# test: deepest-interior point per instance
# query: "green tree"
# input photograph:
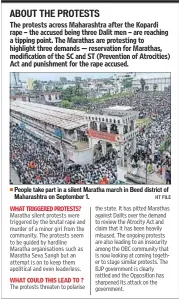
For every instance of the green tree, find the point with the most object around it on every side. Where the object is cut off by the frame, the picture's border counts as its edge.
(37, 88)
(80, 100)
(77, 88)
(57, 88)
(68, 93)
(66, 104)
(47, 89)
(73, 93)
(127, 83)
(107, 81)
(37, 85)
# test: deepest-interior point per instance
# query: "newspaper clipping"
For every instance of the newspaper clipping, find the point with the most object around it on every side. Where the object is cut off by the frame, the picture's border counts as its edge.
(90, 145)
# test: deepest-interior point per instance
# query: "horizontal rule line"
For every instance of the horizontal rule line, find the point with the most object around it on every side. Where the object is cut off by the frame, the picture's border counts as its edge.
(90, 1)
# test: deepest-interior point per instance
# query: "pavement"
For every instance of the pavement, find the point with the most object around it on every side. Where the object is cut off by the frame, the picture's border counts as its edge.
(14, 177)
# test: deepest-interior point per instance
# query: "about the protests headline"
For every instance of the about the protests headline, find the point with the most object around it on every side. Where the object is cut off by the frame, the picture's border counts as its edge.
(52, 13)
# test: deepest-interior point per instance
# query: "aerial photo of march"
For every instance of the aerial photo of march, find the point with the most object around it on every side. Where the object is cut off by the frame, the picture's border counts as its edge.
(90, 128)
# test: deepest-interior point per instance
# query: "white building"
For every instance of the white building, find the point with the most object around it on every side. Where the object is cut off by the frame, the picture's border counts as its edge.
(59, 127)
(51, 97)
(63, 128)
(115, 126)
(20, 97)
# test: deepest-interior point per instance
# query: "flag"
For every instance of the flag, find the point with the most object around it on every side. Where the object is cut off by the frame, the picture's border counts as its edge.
(105, 180)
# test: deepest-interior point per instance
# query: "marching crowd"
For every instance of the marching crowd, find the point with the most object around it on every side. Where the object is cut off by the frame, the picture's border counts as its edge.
(36, 162)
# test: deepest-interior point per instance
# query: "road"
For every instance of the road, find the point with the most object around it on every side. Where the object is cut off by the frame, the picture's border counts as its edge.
(14, 177)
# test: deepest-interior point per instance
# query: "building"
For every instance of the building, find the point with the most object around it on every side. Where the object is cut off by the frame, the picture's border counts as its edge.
(112, 127)
(78, 79)
(62, 128)
(151, 84)
(63, 80)
(123, 82)
(20, 97)
(30, 84)
(51, 98)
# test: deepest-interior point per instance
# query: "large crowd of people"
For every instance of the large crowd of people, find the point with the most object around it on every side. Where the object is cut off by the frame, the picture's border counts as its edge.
(156, 108)
(36, 162)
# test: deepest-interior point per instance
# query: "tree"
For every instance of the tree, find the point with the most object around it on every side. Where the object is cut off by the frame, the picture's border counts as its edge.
(37, 85)
(47, 89)
(142, 83)
(127, 83)
(155, 86)
(68, 93)
(107, 81)
(66, 104)
(73, 93)
(79, 100)
(57, 89)
(77, 88)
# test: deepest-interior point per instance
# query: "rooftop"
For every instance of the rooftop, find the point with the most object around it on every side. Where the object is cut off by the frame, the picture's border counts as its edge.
(118, 111)
(59, 117)
(119, 108)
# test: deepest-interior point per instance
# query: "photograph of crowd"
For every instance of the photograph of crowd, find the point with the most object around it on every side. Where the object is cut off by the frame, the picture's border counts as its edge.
(90, 128)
